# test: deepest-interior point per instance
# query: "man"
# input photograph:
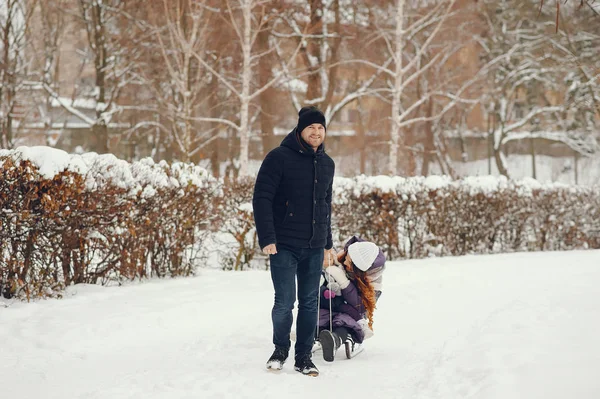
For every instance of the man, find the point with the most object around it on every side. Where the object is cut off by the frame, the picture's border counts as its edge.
(292, 211)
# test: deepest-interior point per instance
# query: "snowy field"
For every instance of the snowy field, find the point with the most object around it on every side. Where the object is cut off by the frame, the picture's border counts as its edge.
(503, 326)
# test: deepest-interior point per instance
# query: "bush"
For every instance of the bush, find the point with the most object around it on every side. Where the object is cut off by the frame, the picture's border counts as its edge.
(237, 221)
(69, 219)
(97, 219)
(420, 217)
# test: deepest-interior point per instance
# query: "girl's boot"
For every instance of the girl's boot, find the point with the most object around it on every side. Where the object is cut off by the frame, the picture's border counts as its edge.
(330, 342)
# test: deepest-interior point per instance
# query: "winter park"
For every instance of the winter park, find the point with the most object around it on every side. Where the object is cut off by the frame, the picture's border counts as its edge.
(292, 199)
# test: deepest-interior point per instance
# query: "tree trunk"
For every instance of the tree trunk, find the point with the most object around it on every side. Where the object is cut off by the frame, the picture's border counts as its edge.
(245, 95)
(410, 160)
(7, 134)
(532, 149)
(429, 144)
(330, 72)
(361, 132)
(267, 110)
(100, 129)
(491, 120)
(576, 166)
(187, 73)
(312, 54)
(395, 139)
(99, 142)
(500, 161)
(7, 83)
(213, 101)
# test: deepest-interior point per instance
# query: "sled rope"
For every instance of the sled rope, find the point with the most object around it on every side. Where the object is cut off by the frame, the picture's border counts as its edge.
(330, 259)
(330, 307)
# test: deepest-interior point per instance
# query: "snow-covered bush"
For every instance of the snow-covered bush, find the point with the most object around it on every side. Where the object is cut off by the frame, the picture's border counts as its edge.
(237, 218)
(91, 218)
(68, 219)
(419, 217)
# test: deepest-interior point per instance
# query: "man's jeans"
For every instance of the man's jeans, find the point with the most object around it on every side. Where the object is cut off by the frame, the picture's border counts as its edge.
(306, 263)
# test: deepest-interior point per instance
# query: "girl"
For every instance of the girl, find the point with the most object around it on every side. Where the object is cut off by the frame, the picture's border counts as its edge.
(350, 291)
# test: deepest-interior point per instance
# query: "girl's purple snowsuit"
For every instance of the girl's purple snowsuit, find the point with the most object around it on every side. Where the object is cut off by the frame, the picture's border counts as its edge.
(348, 314)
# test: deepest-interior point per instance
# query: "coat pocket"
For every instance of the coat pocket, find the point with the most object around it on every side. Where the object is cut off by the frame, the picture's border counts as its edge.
(289, 213)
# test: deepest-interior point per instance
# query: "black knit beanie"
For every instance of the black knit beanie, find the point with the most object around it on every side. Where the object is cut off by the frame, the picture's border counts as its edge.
(309, 115)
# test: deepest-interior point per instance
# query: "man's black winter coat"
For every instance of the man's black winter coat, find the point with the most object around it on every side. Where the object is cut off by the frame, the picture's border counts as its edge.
(292, 196)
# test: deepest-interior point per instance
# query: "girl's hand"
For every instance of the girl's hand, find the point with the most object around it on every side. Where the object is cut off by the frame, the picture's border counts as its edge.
(335, 288)
(329, 294)
(339, 276)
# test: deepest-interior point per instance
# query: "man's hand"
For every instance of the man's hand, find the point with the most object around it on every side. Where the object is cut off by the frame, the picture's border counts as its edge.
(270, 249)
(328, 258)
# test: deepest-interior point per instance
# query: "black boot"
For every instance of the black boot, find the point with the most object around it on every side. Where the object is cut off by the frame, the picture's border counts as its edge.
(305, 365)
(277, 359)
(330, 342)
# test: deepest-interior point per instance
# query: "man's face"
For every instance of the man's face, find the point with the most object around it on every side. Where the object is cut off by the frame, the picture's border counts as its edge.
(314, 135)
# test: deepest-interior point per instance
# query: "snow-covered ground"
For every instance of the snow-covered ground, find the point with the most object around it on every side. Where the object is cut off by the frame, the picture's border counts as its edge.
(504, 326)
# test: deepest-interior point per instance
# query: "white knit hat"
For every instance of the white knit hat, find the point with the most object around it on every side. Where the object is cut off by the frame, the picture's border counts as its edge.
(363, 254)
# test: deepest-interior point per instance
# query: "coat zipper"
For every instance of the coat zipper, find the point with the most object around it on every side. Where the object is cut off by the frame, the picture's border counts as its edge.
(314, 200)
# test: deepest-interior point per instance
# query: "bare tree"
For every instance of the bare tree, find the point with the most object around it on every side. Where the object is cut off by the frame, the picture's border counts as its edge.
(320, 49)
(15, 74)
(105, 22)
(54, 22)
(530, 68)
(247, 19)
(403, 111)
(396, 48)
(590, 5)
(175, 83)
(578, 46)
(336, 59)
(411, 54)
(97, 19)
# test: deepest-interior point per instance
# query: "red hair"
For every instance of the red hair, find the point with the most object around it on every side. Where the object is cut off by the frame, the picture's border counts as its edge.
(366, 291)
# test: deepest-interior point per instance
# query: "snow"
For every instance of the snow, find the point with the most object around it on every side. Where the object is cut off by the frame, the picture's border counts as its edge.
(503, 326)
(485, 184)
(84, 103)
(295, 85)
(473, 185)
(364, 184)
(98, 169)
(437, 182)
(384, 183)
(246, 207)
(50, 161)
